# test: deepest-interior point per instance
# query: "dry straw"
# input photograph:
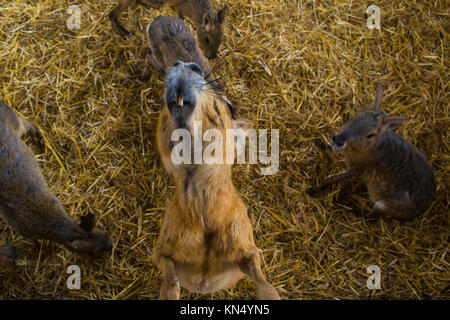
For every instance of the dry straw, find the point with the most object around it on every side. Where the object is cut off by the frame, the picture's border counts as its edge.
(303, 67)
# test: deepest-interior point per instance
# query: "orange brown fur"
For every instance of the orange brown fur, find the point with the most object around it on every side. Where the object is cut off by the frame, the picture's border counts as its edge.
(206, 239)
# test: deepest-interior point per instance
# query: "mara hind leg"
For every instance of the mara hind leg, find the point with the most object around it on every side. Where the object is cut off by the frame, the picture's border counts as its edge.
(170, 287)
(251, 266)
(122, 6)
(8, 256)
(25, 127)
(21, 126)
(398, 206)
(155, 4)
(114, 15)
(8, 253)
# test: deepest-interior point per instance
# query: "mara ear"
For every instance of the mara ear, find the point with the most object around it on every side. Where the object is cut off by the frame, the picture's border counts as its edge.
(87, 222)
(221, 15)
(242, 123)
(378, 98)
(393, 123)
(207, 21)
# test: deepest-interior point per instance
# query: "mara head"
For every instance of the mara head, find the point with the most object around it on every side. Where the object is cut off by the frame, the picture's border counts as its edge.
(364, 131)
(210, 32)
(199, 105)
(94, 240)
(185, 86)
(190, 96)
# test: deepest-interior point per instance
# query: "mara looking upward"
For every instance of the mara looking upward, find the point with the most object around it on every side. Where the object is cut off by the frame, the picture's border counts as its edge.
(206, 240)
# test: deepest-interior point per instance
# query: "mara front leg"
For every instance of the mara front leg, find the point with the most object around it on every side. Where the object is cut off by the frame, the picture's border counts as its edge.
(251, 267)
(21, 126)
(315, 192)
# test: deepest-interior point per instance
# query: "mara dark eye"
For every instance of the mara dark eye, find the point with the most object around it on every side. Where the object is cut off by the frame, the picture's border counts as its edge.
(207, 40)
(371, 135)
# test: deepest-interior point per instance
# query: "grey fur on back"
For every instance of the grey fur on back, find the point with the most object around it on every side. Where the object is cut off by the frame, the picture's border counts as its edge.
(171, 40)
(404, 168)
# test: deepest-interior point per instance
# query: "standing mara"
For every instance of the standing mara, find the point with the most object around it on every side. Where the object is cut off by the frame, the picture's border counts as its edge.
(206, 239)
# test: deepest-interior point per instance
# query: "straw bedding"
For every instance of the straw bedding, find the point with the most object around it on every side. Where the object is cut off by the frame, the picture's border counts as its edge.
(303, 67)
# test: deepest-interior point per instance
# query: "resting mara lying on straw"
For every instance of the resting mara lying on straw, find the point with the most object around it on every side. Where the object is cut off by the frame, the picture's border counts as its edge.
(399, 178)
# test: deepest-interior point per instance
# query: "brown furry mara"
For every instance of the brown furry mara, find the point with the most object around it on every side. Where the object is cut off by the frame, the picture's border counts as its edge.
(26, 202)
(209, 24)
(399, 178)
(206, 239)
